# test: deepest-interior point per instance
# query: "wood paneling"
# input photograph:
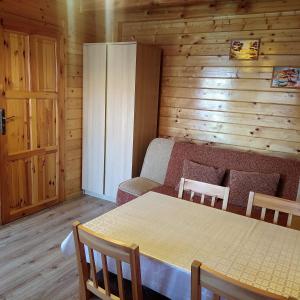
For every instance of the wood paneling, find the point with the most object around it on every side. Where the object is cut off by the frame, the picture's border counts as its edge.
(205, 97)
(44, 17)
(214, 9)
(92, 5)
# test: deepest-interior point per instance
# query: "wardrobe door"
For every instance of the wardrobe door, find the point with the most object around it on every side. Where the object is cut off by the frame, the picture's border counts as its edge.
(94, 90)
(121, 71)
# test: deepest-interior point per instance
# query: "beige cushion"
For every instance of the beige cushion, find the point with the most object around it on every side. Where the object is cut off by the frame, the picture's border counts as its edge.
(157, 159)
(138, 186)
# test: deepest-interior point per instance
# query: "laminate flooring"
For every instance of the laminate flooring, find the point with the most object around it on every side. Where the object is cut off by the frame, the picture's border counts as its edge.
(31, 263)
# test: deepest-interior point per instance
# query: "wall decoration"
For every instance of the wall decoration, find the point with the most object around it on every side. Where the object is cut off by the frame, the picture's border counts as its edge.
(244, 49)
(287, 77)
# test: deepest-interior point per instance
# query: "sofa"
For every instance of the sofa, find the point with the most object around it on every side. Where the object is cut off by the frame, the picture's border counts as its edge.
(163, 164)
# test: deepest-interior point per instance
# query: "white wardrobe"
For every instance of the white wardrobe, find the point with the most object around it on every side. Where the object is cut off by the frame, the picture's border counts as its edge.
(120, 113)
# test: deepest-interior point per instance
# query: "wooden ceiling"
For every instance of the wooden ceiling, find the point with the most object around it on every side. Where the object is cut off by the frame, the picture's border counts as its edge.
(92, 5)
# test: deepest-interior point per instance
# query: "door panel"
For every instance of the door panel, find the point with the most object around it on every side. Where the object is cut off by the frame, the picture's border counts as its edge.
(94, 89)
(51, 186)
(30, 147)
(20, 183)
(47, 177)
(43, 63)
(16, 61)
(46, 122)
(121, 67)
(17, 125)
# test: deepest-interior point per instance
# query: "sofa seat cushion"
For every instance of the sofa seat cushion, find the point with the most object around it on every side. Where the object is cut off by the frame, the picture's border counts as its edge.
(166, 190)
(138, 186)
(233, 208)
(170, 191)
(242, 183)
(123, 197)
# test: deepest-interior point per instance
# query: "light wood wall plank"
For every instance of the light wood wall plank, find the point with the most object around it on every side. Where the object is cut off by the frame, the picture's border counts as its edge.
(205, 96)
(206, 9)
(286, 98)
(238, 107)
(229, 117)
(229, 128)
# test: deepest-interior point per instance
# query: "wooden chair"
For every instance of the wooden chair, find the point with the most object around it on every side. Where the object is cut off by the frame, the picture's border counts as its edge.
(119, 251)
(224, 286)
(273, 203)
(205, 189)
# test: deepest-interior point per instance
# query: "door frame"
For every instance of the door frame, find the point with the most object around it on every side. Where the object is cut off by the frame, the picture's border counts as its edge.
(17, 23)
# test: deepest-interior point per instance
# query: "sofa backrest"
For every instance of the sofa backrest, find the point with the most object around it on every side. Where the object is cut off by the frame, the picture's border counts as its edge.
(288, 169)
(157, 159)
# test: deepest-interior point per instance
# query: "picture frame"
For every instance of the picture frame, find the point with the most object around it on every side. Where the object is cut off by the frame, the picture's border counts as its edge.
(285, 77)
(244, 49)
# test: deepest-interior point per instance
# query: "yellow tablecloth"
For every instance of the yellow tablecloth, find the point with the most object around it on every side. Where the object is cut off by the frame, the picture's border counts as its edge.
(176, 232)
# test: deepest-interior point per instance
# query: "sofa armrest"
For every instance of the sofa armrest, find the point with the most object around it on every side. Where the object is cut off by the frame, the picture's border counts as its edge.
(133, 188)
(157, 159)
(138, 186)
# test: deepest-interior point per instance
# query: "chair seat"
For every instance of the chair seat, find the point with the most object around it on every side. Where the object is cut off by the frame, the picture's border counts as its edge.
(148, 294)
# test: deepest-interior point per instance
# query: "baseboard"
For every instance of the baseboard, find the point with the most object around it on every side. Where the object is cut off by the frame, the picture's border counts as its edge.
(73, 196)
(100, 196)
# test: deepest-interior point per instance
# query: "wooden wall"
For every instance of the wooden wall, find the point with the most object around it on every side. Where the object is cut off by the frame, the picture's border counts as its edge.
(81, 29)
(77, 29)
(205, 97)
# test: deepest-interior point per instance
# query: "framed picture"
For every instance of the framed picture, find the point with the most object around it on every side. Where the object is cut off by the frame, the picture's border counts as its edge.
(244, 49)
(286, 77)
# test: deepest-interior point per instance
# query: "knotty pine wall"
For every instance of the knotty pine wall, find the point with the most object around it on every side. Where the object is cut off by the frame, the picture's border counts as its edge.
(205, 97)
(77, 29)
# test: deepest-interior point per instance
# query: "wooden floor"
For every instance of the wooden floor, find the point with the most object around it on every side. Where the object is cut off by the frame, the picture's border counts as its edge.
(31, 264)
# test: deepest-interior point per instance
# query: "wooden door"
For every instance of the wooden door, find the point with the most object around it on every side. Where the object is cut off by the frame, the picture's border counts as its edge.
(94, 92)
(30, 145)
(121, 72)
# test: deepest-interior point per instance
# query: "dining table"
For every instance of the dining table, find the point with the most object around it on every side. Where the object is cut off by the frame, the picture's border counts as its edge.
(172, 232)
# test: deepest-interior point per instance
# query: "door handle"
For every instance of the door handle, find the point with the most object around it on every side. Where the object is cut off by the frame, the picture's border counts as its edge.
(2, 122)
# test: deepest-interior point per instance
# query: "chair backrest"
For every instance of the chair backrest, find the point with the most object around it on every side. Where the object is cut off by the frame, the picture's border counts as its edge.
(205, 189)
(273, 203)
(224, 286)
(106, 247)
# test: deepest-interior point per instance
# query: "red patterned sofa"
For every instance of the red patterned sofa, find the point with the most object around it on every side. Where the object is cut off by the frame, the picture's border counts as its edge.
(163, 164)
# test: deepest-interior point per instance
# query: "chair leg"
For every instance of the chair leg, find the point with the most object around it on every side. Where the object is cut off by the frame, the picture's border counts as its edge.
(83, 267)
(195, 281)
(216, 297)
(83, 292)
